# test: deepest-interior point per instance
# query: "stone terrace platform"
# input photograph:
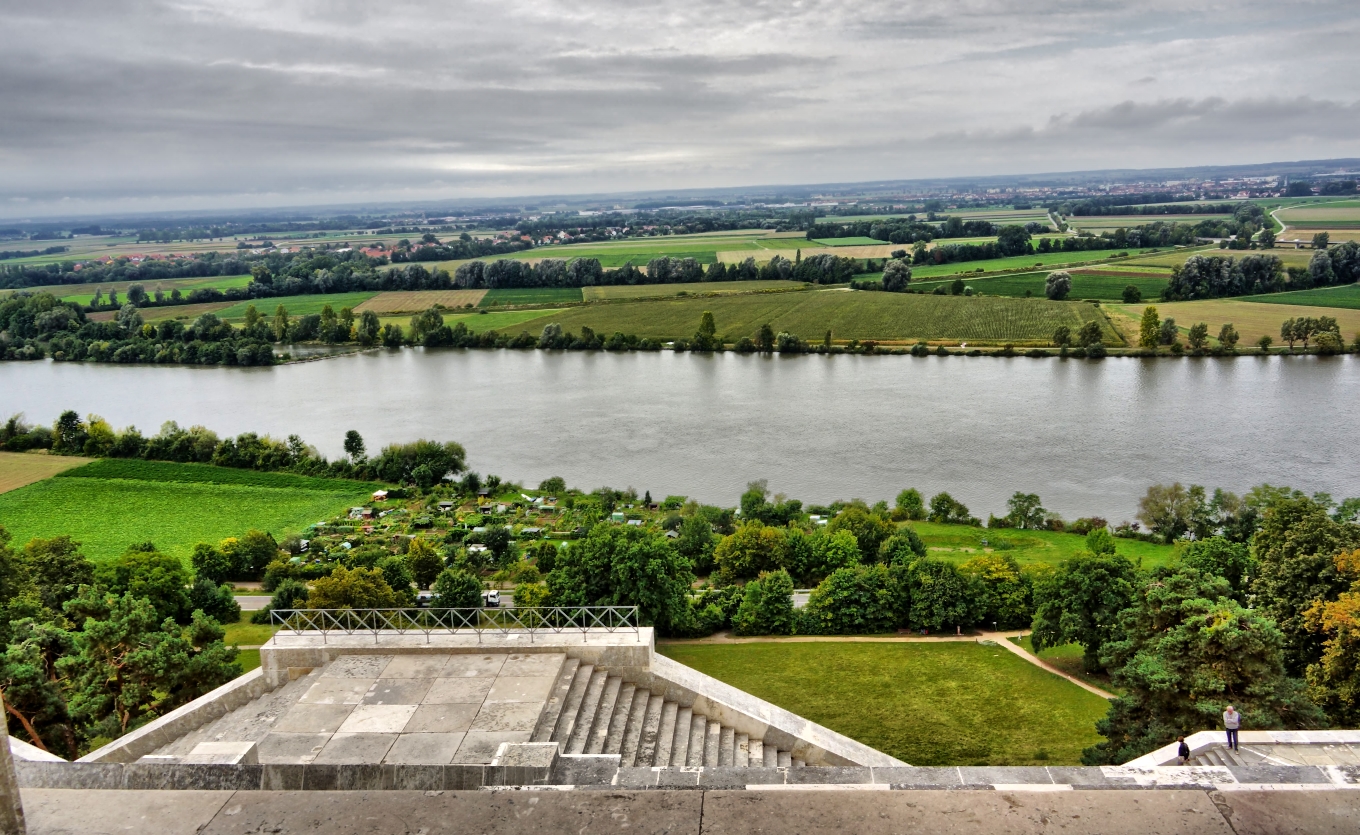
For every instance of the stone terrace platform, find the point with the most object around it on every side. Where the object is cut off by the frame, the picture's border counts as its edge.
(792, 812)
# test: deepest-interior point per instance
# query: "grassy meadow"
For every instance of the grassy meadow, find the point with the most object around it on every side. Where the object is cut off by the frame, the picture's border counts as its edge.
(1086, 285)
(1068, 658)
(847, 314)
(1346, 296)
(414, 301)
(1047, 260)
(114, 503)
(530, 295)
(859, 240)
(960, 543)
(955, 703)
(1252, 319)
(649, 291)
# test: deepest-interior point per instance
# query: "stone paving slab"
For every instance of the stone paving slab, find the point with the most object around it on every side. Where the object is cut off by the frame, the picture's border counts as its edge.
(95, 812)
(1310, 812)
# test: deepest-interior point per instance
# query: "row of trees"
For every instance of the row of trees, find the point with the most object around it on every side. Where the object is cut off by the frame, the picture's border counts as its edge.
(1216, 276)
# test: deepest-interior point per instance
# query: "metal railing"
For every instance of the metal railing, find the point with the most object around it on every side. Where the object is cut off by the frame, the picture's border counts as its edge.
(534, 621)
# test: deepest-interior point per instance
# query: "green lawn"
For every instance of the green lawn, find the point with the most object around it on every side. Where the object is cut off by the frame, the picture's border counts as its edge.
(924, 703)
(1346, 296)
(1068, 659)
(853, 241)
(109, 514)
(248, 634)
(960, 543)
(848, 314)
(1050, 260)
(1084, 286)
(249, 659)
(531, 295)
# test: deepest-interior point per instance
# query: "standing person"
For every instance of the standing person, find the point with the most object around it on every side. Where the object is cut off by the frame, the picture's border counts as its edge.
(1182, 752)
(1232, 720)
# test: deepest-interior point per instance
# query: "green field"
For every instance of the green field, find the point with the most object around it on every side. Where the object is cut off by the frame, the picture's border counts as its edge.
(530, 295)
(1084, 286)
(960, 543)
(648, 291)
(855, 241)
(1068, 658)
(848, 314)
(924, 703)
(1346, 296)
(109, 514)
(84, 293)
(505, 320)
(135, 469)
(297, 305)
(1052, 260)
(703, 248)
(1174, 258)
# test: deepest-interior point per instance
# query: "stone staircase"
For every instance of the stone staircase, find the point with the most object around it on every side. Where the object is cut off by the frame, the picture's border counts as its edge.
(593, 712)
(1220, 755)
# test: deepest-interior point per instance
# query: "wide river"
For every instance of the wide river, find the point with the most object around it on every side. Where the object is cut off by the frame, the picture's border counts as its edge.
(1089, 437)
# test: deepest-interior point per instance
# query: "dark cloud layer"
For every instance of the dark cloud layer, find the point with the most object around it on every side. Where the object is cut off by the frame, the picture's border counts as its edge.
(146, 104)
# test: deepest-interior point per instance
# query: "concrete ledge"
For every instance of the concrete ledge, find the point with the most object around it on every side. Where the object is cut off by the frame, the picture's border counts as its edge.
(309, 650)
(715, 699)
(20, 750)
(1204, 740)
(178, 722)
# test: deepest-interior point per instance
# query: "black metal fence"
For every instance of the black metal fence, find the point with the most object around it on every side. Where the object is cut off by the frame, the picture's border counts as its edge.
(545, 620)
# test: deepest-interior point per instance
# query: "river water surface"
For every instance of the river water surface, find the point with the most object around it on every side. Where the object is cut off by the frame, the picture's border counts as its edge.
(1088, 437)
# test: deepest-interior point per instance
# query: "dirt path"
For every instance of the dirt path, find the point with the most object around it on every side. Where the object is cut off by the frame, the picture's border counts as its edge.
(1002, 639)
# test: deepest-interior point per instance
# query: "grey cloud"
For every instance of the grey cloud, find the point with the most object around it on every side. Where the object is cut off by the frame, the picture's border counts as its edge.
(206, 102)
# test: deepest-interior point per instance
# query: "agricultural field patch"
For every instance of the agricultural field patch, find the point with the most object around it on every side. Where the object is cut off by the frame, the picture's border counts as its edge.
(1347, 211)
(481, 321)
(1089, 285)
(412, 301)
(1252, 319)
(84, 293)
(18, 469)
(183, 312)
(1346, 296)
(1174, 258)
(928, 704)
(297, 305)
(136, 469)
(1337, 234)
(847, 314)
(108, 514)
(530, 295)
(858, 240)
(1052, 260)
(646, 291)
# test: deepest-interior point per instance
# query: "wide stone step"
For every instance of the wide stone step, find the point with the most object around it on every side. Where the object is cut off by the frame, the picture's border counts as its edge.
(632, 733)
(599, 731)
(665, 735)
(618, 722)
(571, 709)
(684, 718)
(651, 727)
(557, 701)
(585, 718)
(698, 732)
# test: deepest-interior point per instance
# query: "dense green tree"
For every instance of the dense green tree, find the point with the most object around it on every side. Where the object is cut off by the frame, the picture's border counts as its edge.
(1080, 603)
(1100, 541)
(424, 562)
(1198, 338)
(1220, 557)
(457, 588)
(1334, 680)
(1149, 329)
(211, 564)
(400, 462)
(856, 600)
(33, 690)
(1132, 295)
(695, 542)
(1026, 512)
(1062, 336)
(1168, 511)
(354, 446)
(250, 553)
(896, 275)
(1090, 334)
(869, 529)
(1188, 650)
(945, 508)
(752, 549)
(910, 505)
(829, 551)
(1296, 545)
(1228, 336)
(147, 574)
(1058, 285)
(940, 595)
(904, 547)
(356, 588)
(998, 591)
(624, 566)
(56, 568)
(217, 602)
(396, 571)
(766, 606)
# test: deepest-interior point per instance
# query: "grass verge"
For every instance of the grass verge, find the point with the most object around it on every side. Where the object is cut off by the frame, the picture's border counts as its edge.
(926, 704)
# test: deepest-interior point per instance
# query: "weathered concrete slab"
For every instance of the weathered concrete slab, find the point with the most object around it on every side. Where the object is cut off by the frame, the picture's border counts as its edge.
(95, 812)
(380, 813)
(1276, 812)
(982, 812)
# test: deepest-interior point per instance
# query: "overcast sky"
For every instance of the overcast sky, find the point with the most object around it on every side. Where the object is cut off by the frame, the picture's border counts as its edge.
(142, 105)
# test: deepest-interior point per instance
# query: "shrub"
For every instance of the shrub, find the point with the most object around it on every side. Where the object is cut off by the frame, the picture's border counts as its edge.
(424, 562)
(457, 588)
(357, 588)
(766, 606)
(855, 600)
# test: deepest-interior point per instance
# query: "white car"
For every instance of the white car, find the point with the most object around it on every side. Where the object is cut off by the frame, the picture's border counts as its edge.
(491, 598)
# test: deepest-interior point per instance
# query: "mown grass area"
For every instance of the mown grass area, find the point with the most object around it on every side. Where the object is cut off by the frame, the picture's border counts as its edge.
(1174, 258)
(249, 659)
(960, 543)
(924, 703)
(109, 514)
(139, 470)
(847, 314)
(530, 295)
(1346, 296)
(859, 240)
(18, 469)
(1084, 286)
(248, 634)
(646, 291)
(1068, 658)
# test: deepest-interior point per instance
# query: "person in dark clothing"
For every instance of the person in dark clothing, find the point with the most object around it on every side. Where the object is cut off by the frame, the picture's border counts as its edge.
(1182, 752)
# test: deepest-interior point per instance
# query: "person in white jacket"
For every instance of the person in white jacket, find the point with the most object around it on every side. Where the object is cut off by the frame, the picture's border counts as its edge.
(1232, 720)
